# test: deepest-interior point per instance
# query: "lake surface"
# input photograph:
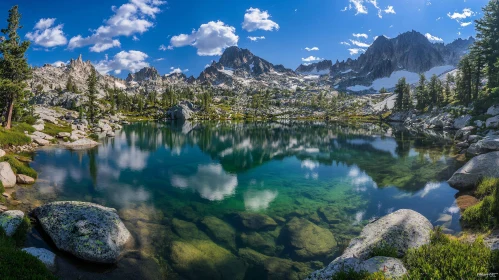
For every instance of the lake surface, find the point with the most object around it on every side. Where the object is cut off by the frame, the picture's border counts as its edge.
(184, 192)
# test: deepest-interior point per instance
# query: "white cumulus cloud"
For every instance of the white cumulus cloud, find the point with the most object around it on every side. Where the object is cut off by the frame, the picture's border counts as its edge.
(359, 44)
(360, 35)
(433, 38)
(356, 51)
(255, 39)
(311, 49)
(210, 39)
(389, 10)
(311, 58)
(361, 8)
(47, 35)
(129, 19)
(131, 61)
(254, 19)
(59, 63)
(465, 14)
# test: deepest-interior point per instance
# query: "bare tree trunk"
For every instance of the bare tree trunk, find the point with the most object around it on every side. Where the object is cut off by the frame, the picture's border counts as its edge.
(8, 122)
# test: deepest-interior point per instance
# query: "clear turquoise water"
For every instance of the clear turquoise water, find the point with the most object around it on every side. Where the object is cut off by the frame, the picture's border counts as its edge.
(156, 173)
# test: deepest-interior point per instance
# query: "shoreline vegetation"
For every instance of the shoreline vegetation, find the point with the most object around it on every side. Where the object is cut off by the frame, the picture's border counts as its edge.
(462, 103)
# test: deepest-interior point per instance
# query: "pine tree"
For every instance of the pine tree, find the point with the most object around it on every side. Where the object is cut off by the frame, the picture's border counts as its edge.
(464, 87)
(92, 95)
(421, 93)
(400, 90)
(14, 69)
(488, 41)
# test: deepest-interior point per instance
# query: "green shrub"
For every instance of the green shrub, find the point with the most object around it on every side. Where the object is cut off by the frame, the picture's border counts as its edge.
(383, 250)
(486, 187)
(446, 258)
(30, 120)
(54, 129)
(485, 214)
(19, 167)
(2, 189)
(16, 264)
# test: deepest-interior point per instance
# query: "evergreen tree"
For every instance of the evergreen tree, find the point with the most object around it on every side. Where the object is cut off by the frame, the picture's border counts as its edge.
(421, 93)
(464, 87)
(435, 91)
(400, 90)
(447, 89)
(488, 41)
(14, 69)
(92, 95)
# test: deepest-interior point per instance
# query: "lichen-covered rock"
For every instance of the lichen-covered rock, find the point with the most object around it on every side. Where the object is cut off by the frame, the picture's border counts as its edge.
(402, 229)
(492, 122)
(203, 259)
(309, 240)
(24, 179)
(255, 221)
(7, 176)
(89, 231)
(10, 221)
(461, 121)
(468, 176)
(222, 232)
(44, 255)
(187, 230)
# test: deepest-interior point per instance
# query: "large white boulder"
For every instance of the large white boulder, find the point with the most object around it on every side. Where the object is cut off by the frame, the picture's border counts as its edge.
(468, 176)
(403, 229)
(492, 122)
(81, 144)
(88, 231)
(7, 176)
(462, 121)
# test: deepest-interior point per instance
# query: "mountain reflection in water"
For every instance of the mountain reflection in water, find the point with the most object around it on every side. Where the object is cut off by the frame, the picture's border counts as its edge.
(172, 183)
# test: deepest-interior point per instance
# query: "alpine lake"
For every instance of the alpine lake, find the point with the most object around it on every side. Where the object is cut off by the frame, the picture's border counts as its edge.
(244, 200)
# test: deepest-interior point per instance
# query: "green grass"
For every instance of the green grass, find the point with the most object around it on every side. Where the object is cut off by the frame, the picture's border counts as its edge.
(53, 129)
(350, 274)
(449, 258)
(485, 214)
(2, 188)
(384, 250)
(15, 136)
(19, 167)
(16, 264)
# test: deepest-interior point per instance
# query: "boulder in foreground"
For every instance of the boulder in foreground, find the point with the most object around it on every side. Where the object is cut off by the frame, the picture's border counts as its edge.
(10, 221)
(88, 231)
(468, 176)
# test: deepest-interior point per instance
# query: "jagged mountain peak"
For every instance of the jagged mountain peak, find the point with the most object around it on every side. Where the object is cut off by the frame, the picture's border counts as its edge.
(144, 74)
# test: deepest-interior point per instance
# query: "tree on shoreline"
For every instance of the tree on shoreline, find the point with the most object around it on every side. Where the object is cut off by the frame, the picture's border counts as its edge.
(14, 68)
(92, 95)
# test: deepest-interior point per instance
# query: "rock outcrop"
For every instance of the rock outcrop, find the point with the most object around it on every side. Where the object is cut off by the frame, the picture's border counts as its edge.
(468, 176)
(45, 256)
(88, 231)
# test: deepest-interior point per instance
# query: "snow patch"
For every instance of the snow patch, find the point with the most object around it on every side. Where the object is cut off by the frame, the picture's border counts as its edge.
(410, 77)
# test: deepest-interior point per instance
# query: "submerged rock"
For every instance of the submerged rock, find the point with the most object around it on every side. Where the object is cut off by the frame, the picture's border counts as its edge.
(44, 255)
(203, 259)
(187, 230)
(89, 231)
(468, 176)
(258, 242)
(222, 232)
(465, 201)
(255, 221)
(309, 240)
(7, 176)
(10, 221)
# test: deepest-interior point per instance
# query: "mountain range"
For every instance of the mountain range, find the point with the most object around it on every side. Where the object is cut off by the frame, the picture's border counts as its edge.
(383, 63)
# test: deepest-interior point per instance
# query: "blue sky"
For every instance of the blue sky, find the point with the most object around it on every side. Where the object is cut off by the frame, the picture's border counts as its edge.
(120, 36)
